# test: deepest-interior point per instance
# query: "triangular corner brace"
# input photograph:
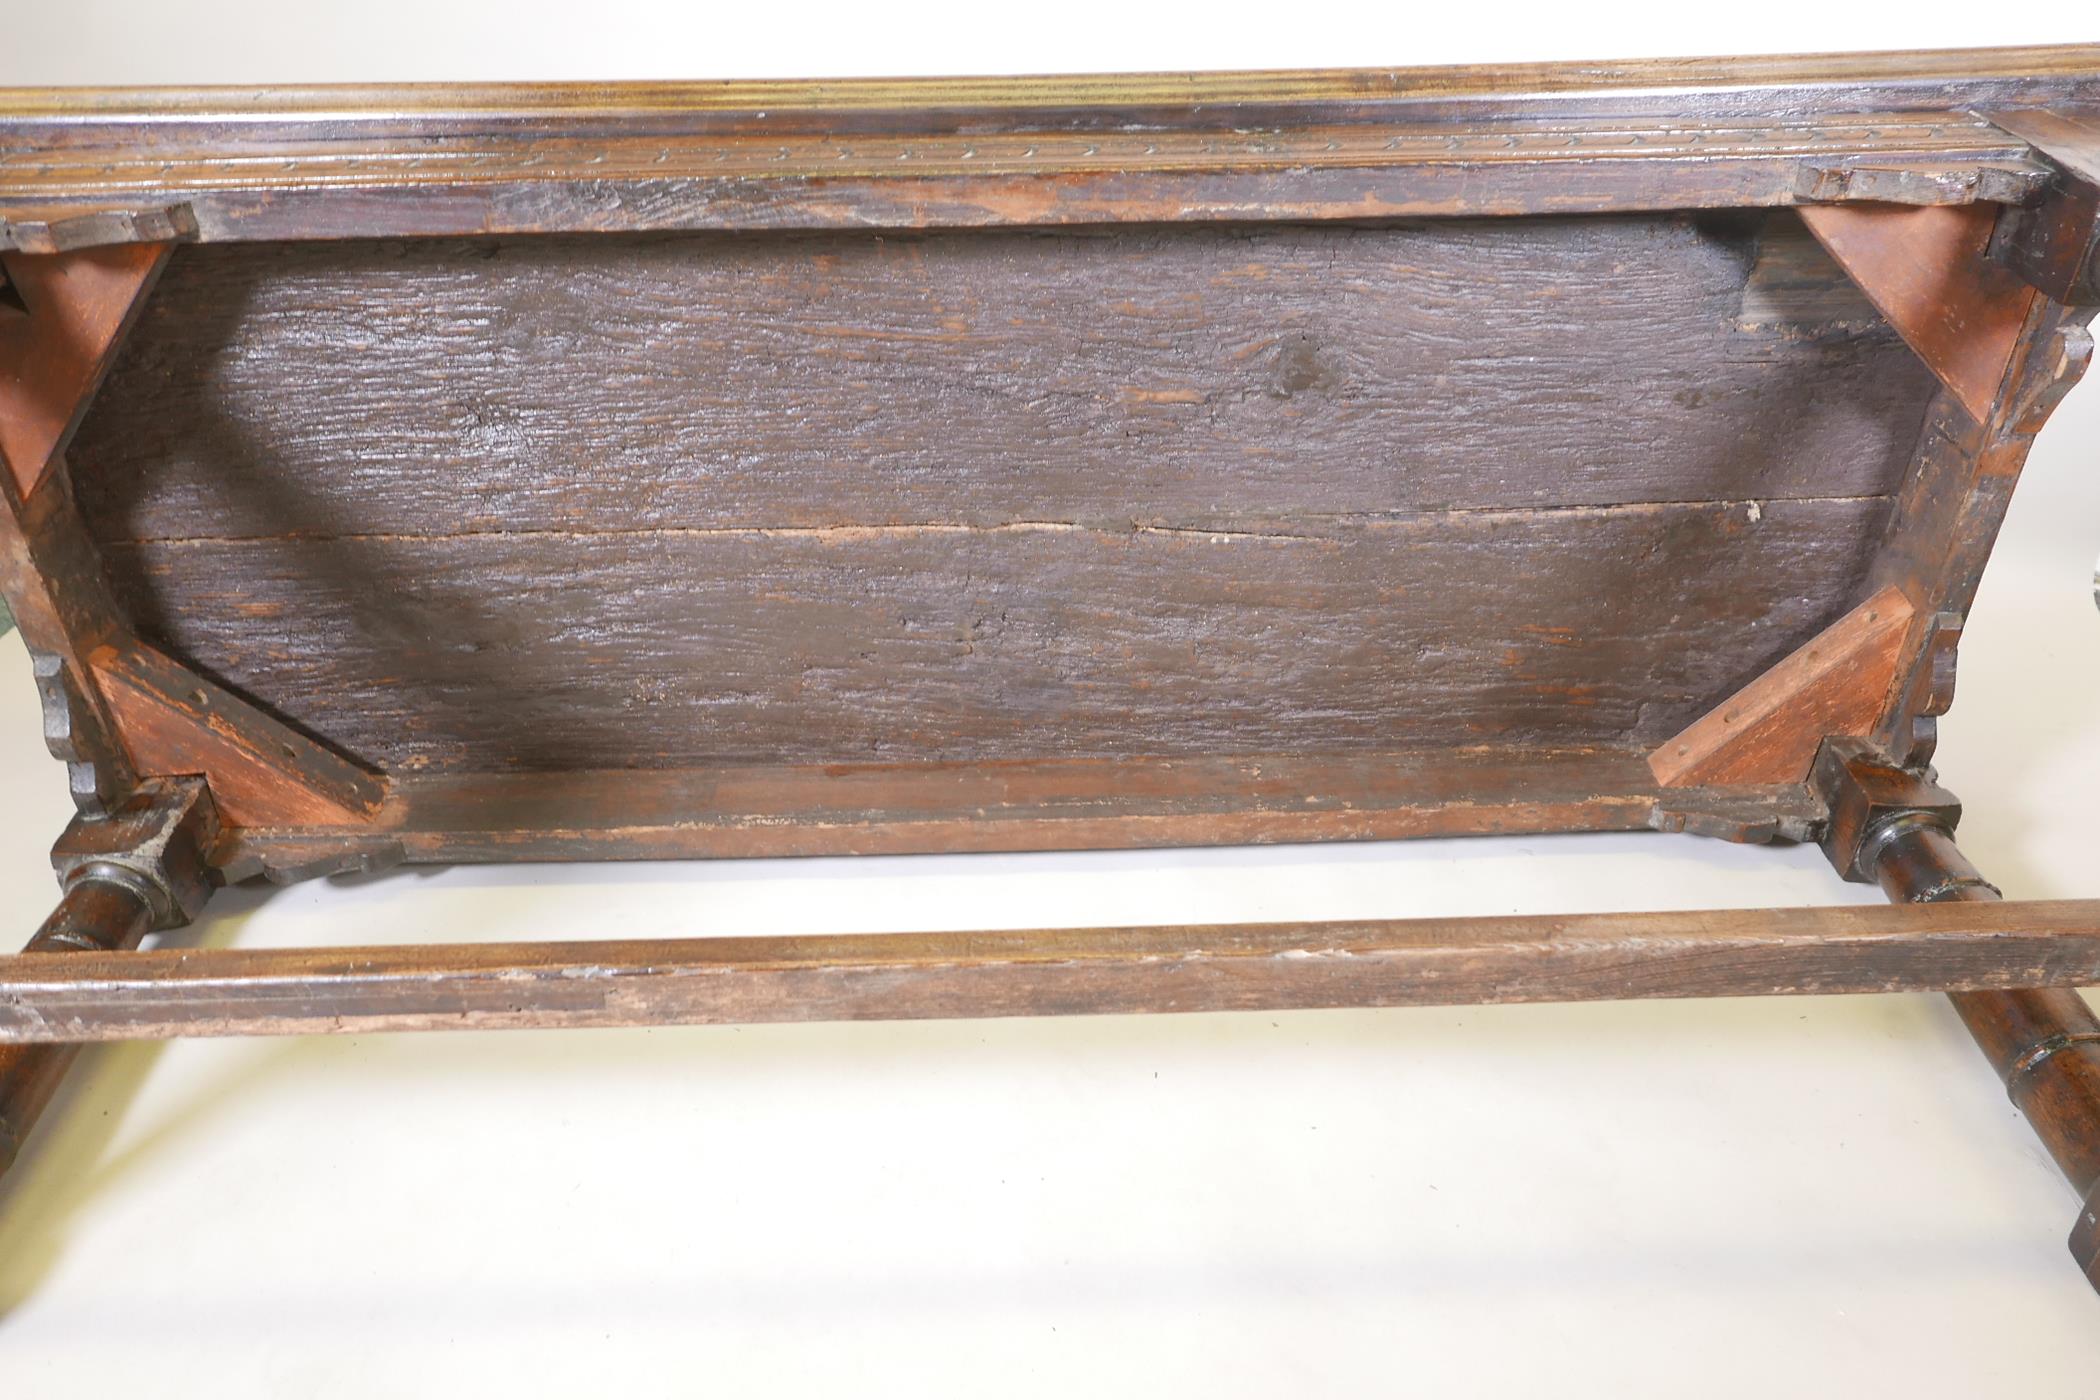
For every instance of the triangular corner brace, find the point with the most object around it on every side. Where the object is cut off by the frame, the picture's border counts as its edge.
(76, 307)
(1769, 731)
(1928, 270)
(262, 772)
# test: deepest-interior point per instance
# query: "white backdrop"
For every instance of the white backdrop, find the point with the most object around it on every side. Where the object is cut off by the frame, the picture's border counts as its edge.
(1802, 1196)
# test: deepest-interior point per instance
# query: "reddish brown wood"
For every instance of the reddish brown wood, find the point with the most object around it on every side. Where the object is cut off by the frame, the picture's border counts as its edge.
(79, 305)
(1564, 138)
(53, 582)
(1929, 271)
(1768, 731)
(1051, 804)
(141, 867)
(1950, 507)
(261, 772)
(94, 915)
(2043, 1042)
(1849, 948)
(1894, 826)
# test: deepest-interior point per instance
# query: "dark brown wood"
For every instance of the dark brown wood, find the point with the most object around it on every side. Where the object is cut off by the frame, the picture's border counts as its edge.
(1075, 151)
(493, 652)
(1951, 505)
(1073, 520)
(98, 230)
(141, 868)
(2054, 245)
(551, 473)
(844, 515)
(2043, 1042)
(1051, 804)
(1198, 379)
(1870, 796)
(72, 310)
(1895, 827)
(94, 915)
(1047, 972)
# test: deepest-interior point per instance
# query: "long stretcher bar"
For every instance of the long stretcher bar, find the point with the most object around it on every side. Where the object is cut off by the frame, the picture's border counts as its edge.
(81, 996)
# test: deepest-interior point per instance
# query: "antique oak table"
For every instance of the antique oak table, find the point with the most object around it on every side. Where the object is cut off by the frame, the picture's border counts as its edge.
(668, 471)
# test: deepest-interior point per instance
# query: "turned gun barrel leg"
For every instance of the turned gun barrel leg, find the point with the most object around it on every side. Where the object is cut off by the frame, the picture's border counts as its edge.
(128, 873)
(2045, 1044)
(95, 914)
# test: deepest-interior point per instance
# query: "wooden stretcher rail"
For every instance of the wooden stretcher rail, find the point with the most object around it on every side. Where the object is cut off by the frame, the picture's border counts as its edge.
(85, 996)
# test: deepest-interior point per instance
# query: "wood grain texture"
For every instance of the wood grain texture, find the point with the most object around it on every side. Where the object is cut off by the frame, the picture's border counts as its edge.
(1821, 83)
(1768, 732)
(53, 581)
(51, 359)
(93, 914)
(937, 643)
(1046, 972)
(1034, 805)
(2056, 244)
(935, 182)
(1954, 499)
(331, 163)
(692, 506)
(2043, 1042)
(261, 772)
(1187, 378)
(1930, 272)
(688, 501)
